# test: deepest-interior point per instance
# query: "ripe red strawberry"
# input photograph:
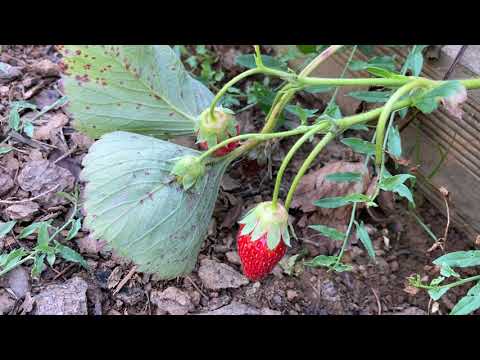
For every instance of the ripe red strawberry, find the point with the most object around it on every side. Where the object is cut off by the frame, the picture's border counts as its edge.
(257, 259)
(262, 239)
(226, 149)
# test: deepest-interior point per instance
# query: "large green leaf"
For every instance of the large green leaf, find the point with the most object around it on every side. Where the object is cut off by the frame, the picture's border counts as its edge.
(139, 88)
(134, 203)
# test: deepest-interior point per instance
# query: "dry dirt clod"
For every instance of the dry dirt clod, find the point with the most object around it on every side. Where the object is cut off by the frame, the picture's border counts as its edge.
(8, 73)
(6, 182)
(6, 302)
(232, 257)
(90, 245)
(41, 176)
(24, 211)
(216, 276)
(412, 310)
(69, 298)
(53, 123)
(46, 68)
(237, 308)
(18, 281)
(171, 301)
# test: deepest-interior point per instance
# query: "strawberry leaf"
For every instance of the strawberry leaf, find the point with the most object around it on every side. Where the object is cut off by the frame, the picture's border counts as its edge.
(138, 207)
(138, 88)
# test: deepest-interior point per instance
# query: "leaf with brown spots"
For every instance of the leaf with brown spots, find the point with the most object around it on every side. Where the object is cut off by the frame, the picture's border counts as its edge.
(139, 88)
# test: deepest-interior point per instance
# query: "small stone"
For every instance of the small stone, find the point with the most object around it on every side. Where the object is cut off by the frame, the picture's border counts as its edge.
(277, 300)
(292, 312)
(113, 312)
(236, 308)
(195, 297)
(291, 294)
(218, 302)
(412, 310)
(6, 302)
(216, 276)
(233, 257)
(23, 211)
(131, 296)
(394, 266)
(46, 68)
(18, 281)
(172, 301)
(69, 298)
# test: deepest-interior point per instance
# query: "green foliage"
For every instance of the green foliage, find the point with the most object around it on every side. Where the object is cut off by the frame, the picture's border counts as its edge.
(371, 96)
(134, 203)
(360, 146)
(428, 100)
(364, 238)
(339, 201)
(344, 177)
(46, 247)
(383, 62)
(138, 88)
(329, 232)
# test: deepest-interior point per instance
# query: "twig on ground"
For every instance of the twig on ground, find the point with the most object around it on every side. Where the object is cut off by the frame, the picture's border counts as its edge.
(125, 280)
(196, 287)
(379, 304)
(10, 202)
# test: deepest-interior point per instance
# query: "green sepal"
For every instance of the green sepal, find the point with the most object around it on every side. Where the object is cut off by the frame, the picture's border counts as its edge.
(188, 169)
(214, 131)
(265, 219)
(286, 237)
(273, 238)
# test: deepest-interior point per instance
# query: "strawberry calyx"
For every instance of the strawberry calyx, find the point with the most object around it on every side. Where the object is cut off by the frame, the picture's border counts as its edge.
(267, 219)
(213, 130)
(187, 170)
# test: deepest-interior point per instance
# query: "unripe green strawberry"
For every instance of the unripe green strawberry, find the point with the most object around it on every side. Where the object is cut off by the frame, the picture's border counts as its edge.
(262, 239)
(187, 170)
(212, 131)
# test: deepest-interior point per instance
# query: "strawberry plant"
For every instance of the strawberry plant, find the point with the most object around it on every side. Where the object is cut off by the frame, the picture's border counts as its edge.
(152, 199)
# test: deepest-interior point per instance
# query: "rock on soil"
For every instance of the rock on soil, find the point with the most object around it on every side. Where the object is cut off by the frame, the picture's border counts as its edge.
(237, 308)
(216, 276)
(6, 182)
(233, 257)
(69, 298)
(18, 281)
(412, 310)
(23, 211)
(6, 302)
(171, 301)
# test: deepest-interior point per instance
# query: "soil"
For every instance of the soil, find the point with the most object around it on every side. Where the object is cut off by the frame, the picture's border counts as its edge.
(112, 285)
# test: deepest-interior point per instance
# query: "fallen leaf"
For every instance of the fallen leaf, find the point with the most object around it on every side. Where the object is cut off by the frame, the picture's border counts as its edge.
(41, 176)
(52, 123)
(22, 211)
(82, 141)
(315, 186)
(453, 103)
(90, 245)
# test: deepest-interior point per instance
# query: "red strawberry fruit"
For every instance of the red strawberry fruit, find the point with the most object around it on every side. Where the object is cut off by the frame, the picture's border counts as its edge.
(224, 150)
(213, 130)
(262, 239)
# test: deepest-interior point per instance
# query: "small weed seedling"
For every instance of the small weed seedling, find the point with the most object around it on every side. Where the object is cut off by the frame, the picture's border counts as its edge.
(47, 247)
(152, 199)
